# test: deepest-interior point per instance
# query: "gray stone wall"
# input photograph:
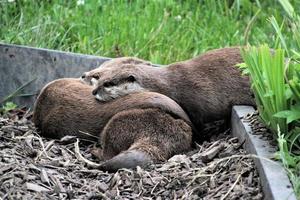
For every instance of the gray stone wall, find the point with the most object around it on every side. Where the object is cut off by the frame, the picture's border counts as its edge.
(20, 64)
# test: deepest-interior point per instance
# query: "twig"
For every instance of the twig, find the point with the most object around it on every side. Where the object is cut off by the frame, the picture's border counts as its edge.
(152, 191)
(38, 138)
(102, 195)
(44, 149)
(81, 158)
(88, 134)
(216, 162)
(236, 181)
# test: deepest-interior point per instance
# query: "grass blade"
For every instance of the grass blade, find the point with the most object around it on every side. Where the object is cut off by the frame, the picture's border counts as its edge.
(17, 91)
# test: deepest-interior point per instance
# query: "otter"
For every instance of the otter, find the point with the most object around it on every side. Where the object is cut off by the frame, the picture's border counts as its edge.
(136, 129)
(206, 87)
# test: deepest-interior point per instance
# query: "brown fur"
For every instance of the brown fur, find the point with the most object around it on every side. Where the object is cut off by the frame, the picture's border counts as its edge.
(134, 130)
(151, 132)
(206, 87)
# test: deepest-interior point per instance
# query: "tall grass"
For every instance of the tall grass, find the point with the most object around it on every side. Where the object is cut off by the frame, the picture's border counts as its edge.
(292, 74)
(268, 84)
(162, 31)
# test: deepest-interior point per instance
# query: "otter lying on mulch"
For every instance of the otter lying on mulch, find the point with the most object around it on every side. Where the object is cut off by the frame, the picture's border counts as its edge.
(206, 87)
(133, 131)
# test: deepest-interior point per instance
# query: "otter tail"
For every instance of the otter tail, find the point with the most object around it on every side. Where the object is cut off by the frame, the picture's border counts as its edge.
(127, 159)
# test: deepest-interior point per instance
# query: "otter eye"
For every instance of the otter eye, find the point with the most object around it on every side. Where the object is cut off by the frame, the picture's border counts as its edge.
(131, 78)
(96, 77)
(109, 84)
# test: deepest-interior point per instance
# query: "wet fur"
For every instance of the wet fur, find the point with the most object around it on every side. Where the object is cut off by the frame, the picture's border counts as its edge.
(133, 130)
(206, 87)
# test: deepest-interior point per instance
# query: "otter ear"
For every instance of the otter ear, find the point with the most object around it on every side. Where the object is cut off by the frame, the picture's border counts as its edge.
(131, 78)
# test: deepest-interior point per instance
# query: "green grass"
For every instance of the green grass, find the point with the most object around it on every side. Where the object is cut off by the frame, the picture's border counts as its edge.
(160, 31)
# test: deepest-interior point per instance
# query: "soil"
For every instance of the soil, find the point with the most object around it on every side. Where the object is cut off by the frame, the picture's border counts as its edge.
(32, 167)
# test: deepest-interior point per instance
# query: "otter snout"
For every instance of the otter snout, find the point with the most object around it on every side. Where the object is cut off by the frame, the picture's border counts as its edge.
(104, 94)
(95, 91)
(100, 94)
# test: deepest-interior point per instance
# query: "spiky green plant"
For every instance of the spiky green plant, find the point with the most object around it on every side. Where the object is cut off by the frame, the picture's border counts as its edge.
(267, 82)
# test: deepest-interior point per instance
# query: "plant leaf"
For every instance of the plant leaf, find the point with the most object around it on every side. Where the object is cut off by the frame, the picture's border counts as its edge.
(290, 115)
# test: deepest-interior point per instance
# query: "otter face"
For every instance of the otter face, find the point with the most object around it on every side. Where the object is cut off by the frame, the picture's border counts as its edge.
(91, 77)
(111, 83)
(112, 89)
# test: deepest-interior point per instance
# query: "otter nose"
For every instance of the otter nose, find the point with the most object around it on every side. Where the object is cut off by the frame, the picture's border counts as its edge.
(83, 76)
(94, 92)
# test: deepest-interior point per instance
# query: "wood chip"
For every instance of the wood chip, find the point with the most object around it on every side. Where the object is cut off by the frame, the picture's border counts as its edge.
(44, 177)
(209, 155)
(61, 170)
(36, 188)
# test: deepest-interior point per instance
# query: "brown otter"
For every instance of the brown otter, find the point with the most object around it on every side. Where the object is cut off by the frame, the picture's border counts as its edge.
(206, 87)
(133, 130)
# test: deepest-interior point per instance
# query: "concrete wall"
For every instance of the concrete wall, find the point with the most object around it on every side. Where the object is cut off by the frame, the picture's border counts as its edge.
(20, 64)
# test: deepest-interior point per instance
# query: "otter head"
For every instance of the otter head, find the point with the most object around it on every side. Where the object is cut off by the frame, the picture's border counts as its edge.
(114, 82)
(91, 77)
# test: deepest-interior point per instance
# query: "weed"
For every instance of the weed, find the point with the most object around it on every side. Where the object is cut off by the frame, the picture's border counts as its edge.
(8, 107)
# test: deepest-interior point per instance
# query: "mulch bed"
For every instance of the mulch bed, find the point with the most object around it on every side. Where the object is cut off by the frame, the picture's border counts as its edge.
(258, 128)
(32, 167)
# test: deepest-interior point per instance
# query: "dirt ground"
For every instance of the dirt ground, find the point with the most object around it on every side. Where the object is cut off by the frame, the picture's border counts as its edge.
(32, 167)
